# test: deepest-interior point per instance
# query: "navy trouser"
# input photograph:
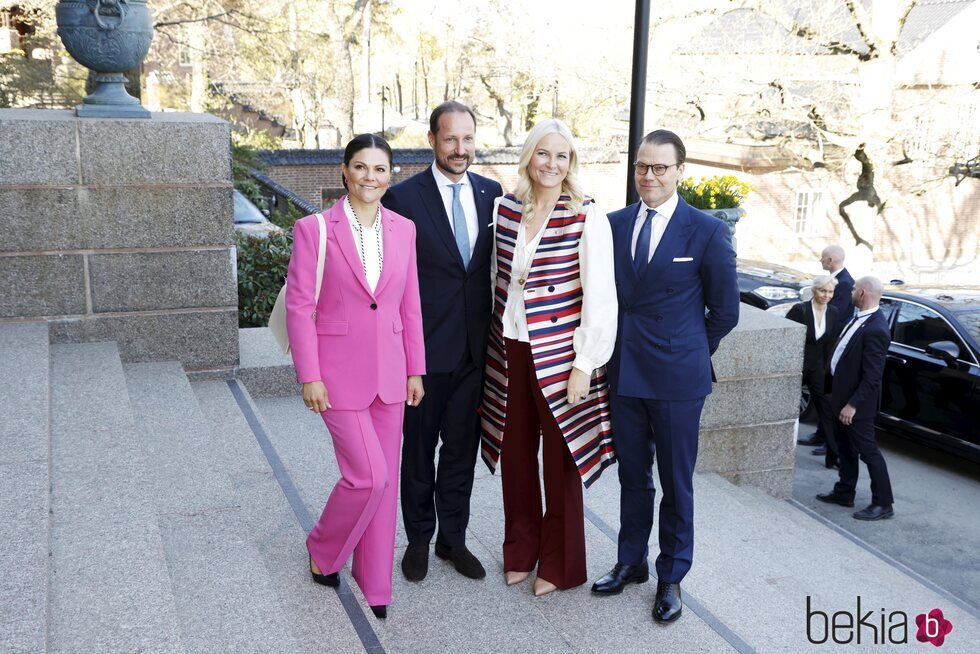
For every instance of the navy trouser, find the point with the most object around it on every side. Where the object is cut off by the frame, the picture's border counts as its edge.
(665, 430)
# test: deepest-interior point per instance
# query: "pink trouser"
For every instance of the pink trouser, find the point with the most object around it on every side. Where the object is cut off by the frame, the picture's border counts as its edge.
(360, 514)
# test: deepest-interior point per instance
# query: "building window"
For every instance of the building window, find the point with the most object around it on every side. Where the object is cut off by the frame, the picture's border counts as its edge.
(809, 211)
(5, 22)
(183, 54)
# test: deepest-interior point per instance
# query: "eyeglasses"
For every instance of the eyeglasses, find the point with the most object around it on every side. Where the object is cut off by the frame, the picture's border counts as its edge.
(658, 169)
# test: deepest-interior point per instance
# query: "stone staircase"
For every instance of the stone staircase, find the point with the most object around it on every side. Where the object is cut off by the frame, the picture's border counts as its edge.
(144, 512)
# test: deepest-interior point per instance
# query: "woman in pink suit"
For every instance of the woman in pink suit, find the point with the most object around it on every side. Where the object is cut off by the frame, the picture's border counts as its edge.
(359, 355)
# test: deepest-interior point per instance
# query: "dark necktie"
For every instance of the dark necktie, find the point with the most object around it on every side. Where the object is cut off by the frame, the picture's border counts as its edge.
(641, 255)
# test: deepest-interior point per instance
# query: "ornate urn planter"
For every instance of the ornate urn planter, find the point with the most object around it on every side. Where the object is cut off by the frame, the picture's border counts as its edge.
(719, 196)
(108, 37)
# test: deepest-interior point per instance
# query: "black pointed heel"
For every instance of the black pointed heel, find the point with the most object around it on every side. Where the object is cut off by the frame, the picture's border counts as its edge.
(332, 580)
(380, 611)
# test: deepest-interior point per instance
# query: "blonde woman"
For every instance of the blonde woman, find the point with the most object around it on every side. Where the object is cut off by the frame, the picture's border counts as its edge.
(552, 331)
(822, 325)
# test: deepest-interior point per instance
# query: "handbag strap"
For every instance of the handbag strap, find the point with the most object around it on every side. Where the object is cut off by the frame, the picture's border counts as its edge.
(321, 257)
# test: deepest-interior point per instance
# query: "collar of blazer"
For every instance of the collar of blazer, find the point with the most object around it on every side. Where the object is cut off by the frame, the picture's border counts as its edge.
(340, 229)
(671, 243)
(436, 210)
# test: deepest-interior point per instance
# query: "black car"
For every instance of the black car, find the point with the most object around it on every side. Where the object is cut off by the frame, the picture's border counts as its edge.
(764, 285)
(931, 389)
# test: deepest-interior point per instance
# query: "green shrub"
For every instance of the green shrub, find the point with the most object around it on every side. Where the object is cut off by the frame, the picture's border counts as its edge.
(287, 216)
(262, 265)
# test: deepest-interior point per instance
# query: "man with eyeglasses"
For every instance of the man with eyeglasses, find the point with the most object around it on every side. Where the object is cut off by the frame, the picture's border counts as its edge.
(678, 296)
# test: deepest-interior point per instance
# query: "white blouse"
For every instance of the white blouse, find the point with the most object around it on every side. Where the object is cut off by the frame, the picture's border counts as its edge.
(595, 337)
(369, 244)
(819, 321)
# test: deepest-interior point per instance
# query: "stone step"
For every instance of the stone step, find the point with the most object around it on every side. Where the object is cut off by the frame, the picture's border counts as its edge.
(314, 615)
(264, 369)
(757, 560)
(109, 585)
(203, 479)
(24, 485)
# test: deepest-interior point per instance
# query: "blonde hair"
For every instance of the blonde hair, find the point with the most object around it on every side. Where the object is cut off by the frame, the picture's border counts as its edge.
(822, 280)
(570, 185)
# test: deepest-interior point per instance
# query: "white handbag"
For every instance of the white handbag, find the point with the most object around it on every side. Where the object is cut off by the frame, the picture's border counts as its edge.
(277, 319)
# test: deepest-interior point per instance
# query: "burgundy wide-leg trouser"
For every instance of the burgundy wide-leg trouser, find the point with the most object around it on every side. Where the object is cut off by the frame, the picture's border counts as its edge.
(554, 541)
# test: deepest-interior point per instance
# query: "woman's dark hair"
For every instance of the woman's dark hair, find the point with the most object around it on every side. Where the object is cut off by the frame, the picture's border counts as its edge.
(364, 142)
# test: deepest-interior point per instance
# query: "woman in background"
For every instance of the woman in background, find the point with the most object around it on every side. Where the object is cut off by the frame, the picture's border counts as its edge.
(359, 355)
(553, 329)
(822, 327)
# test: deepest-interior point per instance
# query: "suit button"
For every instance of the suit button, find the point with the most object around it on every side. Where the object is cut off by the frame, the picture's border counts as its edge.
(551, 289)
(554, 318)
(670, 290)
(374, 307)
(659, 317)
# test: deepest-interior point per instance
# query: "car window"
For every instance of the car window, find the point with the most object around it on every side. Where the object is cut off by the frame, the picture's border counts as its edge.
(970, 321)
(888, 308)
(245, 211)
(918, 326)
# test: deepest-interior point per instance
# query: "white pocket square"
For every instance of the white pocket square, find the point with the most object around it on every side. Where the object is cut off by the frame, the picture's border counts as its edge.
(683, 259)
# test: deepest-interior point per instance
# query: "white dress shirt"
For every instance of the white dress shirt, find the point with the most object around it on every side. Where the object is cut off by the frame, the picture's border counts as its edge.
(657, 226)
(373, 243)
(595, 336)
(849, 332)
(466, 198)
(819, 321)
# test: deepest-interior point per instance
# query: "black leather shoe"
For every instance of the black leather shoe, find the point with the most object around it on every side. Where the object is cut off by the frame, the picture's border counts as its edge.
(380, 611)
(332, 580)
(667, 607)
(812, 439)
(875, 512)
(415, 563)
(617, 578)
(463, 560)
(835, 498)
(820, 451)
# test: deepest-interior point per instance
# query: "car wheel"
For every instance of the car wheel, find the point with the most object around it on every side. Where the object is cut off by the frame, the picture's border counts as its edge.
(807, 410)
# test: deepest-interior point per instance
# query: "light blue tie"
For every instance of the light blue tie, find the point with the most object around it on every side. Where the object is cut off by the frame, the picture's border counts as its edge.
(459, 226)
(641, 255)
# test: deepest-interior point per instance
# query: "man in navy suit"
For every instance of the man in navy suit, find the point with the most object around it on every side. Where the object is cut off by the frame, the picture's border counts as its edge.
(452, 211)
(832, 260)
(856, 369)
(678, 296)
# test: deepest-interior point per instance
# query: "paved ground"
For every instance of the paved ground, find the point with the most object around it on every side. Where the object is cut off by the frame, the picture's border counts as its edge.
(936, 530)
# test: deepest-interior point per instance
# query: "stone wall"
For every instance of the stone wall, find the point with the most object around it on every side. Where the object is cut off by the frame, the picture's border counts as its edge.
(121, 230)
(748, 427)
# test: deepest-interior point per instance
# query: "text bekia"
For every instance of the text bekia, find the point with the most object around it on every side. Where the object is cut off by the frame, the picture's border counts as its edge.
(842, 627)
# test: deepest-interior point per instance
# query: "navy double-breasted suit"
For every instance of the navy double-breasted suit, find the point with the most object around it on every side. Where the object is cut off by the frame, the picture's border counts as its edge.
(456, 307)
(670, 322)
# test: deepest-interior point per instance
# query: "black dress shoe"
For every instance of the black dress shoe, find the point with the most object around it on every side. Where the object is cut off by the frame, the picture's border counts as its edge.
(463, 560)
(415, 563)
(332, 580)
(835, 498)
(617, 578)
(667, 606)
(812, 439)
(380, 611)
(820, 451)
(875, 512)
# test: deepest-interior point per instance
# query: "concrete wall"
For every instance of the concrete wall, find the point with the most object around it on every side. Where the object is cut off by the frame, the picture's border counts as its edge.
(748, 427)
(121, 230)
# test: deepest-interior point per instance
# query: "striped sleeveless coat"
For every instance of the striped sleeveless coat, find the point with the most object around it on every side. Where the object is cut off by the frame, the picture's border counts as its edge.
(553, 301)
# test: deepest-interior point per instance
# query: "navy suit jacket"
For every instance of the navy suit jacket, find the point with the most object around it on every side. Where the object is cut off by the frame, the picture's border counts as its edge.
(842, 296)
(857, 379)
(672, 320)
(456, 303)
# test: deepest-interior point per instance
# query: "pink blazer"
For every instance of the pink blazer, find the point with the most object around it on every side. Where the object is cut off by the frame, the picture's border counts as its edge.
(362, 345)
